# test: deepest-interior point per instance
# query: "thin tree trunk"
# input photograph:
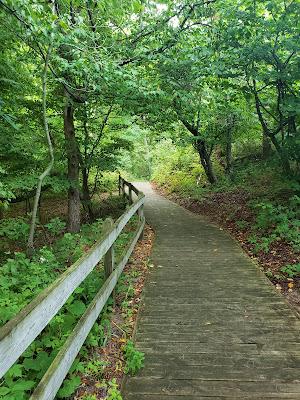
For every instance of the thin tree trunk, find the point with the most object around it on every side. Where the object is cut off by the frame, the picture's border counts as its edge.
(266, 131)
(292, 125)
(284, 159)
(73, 167)
(266, 146)
(200, 146)
(30, 242)
(206, 161)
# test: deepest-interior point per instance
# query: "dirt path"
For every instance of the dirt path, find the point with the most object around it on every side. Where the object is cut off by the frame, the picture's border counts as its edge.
(212, 326)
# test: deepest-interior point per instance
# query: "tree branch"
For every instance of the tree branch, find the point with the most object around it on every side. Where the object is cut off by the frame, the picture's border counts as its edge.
(46, 172)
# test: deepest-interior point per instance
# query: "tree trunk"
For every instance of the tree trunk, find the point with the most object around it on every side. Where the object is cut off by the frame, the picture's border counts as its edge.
(206, 161)
(283, 157)
(200, 146)
(292, 129)
(86, 197)
(266, 146)
(73, 168)
(267, 132)
(30, 242)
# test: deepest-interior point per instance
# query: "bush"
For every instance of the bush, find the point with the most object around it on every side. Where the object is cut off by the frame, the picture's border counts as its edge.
(134, 358)
(278, 222)
(14, 228)
(56, 226)
(108, 182)
(291, 270)
(178, 168)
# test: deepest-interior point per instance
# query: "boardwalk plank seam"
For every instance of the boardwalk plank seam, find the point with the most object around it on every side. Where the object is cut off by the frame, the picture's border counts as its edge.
(208, 311)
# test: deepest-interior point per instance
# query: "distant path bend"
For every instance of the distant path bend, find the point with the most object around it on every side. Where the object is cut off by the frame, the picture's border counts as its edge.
(212, 327)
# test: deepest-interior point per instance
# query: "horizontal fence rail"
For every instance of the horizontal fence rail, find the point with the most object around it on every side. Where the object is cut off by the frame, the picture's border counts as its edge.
(131, 189)
(18, 333)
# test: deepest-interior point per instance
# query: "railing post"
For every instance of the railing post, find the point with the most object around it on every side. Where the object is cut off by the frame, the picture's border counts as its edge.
(140, 213)
(119, 185)
(109, 258)
(123, 188)
(130, 194)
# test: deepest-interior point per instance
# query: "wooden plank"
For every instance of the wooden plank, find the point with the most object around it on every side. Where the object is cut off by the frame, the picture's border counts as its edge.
(130, 194)
(134, 189)
(243, 396)
(20, 331)
(109, 258)
(231, 389)
(130, 186)
(53, 378)
(227, 361)
(212, 372)
(211, 326)
(141, 216)
(119, 184)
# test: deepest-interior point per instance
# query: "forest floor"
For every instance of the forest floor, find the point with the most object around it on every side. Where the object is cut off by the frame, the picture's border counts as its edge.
(14, 226)
(123, 317)
(227, 209)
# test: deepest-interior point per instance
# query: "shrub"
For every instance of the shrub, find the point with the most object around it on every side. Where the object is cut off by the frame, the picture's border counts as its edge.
(291, 270)
(134, 358)
(278, 222)
(14, 228)
(56, 226)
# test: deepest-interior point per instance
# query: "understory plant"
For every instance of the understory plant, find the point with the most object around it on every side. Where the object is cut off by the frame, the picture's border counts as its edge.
(275, 222)
(21, 279)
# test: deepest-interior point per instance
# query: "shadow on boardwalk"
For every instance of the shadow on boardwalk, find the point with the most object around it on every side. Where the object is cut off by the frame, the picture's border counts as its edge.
(212, 326)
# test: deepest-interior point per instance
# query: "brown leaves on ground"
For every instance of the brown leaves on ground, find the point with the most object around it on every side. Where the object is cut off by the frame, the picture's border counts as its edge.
(122, 324)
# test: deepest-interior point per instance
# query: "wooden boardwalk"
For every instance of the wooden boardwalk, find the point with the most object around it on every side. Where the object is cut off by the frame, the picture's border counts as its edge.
(212, 327)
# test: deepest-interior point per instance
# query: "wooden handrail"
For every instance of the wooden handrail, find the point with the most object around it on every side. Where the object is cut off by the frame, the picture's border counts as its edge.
(18, 333)
(131, 188)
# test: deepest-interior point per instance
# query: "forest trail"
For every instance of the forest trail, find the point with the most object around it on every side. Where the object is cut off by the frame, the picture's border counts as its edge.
(211, 325)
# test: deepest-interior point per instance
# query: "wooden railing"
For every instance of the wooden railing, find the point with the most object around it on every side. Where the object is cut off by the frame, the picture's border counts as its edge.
(18, 333)
(130, 189)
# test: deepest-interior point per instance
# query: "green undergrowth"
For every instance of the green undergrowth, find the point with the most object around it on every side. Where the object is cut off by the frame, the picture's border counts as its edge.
(276, 222)
(21, 279)
(185, 176)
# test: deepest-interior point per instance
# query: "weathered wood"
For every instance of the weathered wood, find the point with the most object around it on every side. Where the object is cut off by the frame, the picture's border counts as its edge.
(211, 325)
(141, 216)
(227, 388)
(130, 194)
(119, 184)
(53, 378)
(17, 334)
(134, 189)
(131, 188)
(109, 258)
(197, 397)
(123, 189)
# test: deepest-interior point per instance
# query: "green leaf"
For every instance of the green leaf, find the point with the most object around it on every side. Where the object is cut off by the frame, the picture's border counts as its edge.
(22, 386)
(4, 391)
(77, 308)
(15, 371)
(69, 387)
